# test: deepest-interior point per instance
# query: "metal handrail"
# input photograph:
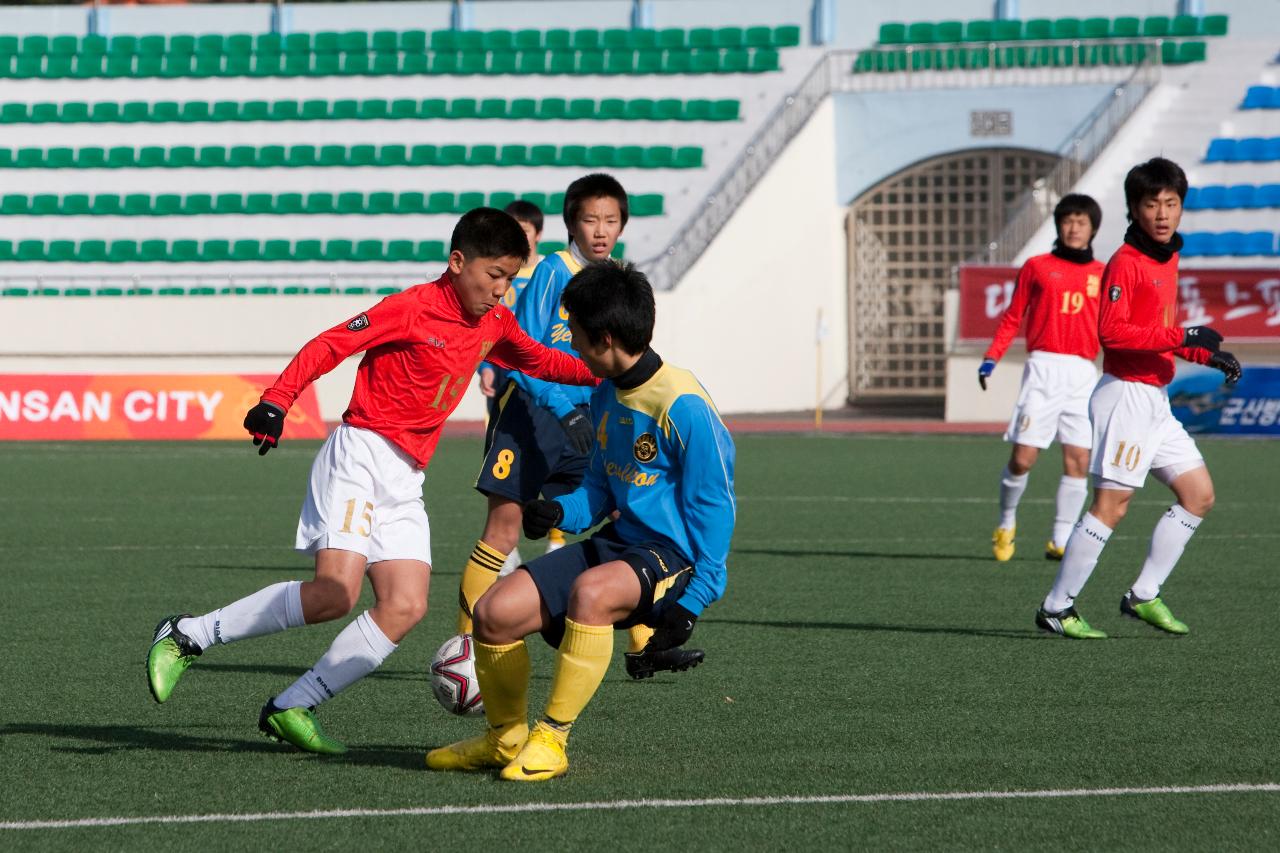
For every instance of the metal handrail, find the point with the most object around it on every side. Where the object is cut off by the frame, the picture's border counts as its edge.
(834, 72)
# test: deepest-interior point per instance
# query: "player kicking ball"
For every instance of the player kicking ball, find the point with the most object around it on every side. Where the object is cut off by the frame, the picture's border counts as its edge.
(1057, 293)
(363, 513)
(664, 461)
(1134, 430)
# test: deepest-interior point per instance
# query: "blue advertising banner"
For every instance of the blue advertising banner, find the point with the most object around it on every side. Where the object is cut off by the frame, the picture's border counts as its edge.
(1204, 404)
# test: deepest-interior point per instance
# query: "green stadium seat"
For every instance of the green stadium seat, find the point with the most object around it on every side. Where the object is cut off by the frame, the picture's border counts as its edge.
(947, 32)
(469, 201)
(137, 204)
(472, 62)
(134, 111)
(403, 108)
(659, 157)
(1191, 51)
(201, 290)
(105, 112)
(369, 250)
(409, 203)
(122, 251)
(13, 205)
(35, 45)
(445, 62)
(182, 157)
(325, 65)
(430, 108)
(638, 109)
(332, 155)
(211, 157)
(297, 43)
(314, 110)
(702, 37)
(1095, 28)
(550, 247)
(725, 110)
(483, 155)
(527, 40)
(45, 204)
(339, 250)
(981, 30)
(441, 202)
(444, 40)
(423, 154)
(581, 108)
(1169, 53)
(501, 199)
(553, 108)
(184, 251)
(765, 60)
(197, 204)
(671, 38)
(628, 156)
(276, 250)
(286, 110)
(296, 65)
(620, 62)
(668, 109)
(522, 108)
(705, 61)
(373, 108)
(385, 40)
(30, 250)
(757, 37)
(736, 61)
(648, 62)
(1184, 25)
(611, 108)
(1126, 27)
(696, 109)
(1007, 30)
(497, 40)
(1155, 26)
(350, 203)
(572, 155)
(1213, 25)
(121, 157)
(398, 250)
(326, 42)
(320, 203)
(616, 39)
(1066, 28)
(242, 156)
(393, 155)
(91, 251)
(451, 155)
(353, 41)
(42, 113)
(83, 67)
(379, 203)
(385, 63)
(91, 157)
(688, 158)
(228, 203)
(586, 40)
(268, 43)
(148, 66)
(301, 156)
(1038, 29)
(413, 41)
(354, 64)
(29, 158)
(151, 157)
(542, 155)
(288, 204)
(493, 108)
(920, 32)
(562, 62)
(893, 33)
(207, 43)
(215, 250)
(431, 251)
(513, 155)
(362, 155)
(246, 250)
(153, 251)
(60, 251)
(14, 114)
(177, 65)
(532, 62)
(165, 111)
(590, 62)
(557, 39)
(255, 111)
(195, 111)
(164, 204)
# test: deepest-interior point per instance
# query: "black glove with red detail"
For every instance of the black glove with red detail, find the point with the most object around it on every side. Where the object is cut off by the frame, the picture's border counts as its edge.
(540, 516)
(265, 422)
(1228, 364)
(1204, 337)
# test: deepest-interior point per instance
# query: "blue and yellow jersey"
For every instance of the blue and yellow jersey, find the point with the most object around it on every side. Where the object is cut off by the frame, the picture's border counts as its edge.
(539, 313)
(664, 459)
(512, 297)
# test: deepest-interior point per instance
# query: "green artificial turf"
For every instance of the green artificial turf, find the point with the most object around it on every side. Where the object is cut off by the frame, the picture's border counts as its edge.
(867, 644)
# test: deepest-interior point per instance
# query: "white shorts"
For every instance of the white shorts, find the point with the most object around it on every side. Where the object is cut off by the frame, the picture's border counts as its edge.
(1053, 401)
(365, 495)
(1134, 432)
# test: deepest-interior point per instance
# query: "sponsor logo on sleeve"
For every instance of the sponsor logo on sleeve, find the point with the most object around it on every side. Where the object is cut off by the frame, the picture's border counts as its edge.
(1114, 293)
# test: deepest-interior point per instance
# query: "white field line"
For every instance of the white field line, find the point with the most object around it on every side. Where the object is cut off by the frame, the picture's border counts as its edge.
(621, 805)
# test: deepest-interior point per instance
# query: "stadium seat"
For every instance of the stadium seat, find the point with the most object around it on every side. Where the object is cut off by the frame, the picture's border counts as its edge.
(1258, 243)
(1239, 196)
(1220, 150)
(1268, 195)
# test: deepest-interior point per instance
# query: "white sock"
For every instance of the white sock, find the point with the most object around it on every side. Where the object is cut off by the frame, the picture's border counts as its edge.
(1071, 494)
(1173, 531)
(1011, 488)
(1084, 547)
(511, 564)
(358, 650)
(267, 611)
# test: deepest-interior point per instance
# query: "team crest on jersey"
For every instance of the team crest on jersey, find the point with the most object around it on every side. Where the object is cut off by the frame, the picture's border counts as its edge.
(1114, 293)
(358, 324)
(1091, 286)
(435, 342)
(645, 448)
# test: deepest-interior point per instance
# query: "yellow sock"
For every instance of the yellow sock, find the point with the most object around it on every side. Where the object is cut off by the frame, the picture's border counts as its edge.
(503, 673)
(580, 666)
(481, 571)
(555, 536)
(638, 636)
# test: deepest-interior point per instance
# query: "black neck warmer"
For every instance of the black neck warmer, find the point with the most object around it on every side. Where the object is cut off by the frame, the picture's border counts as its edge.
(1075, 256)
(1159, 252)
(640, 372)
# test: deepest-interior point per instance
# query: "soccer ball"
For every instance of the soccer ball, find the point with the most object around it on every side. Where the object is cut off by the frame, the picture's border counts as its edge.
(453, 677)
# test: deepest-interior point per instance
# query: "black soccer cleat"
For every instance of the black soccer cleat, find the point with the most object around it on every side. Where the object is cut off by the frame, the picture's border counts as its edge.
(644, 664)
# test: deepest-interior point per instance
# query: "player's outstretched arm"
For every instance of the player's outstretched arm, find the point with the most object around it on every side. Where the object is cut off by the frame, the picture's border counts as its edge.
(1010, 322)
(706, 497)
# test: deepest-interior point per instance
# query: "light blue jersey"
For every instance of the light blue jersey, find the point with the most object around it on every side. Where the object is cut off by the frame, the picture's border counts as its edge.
(664, 459)
(544, 319)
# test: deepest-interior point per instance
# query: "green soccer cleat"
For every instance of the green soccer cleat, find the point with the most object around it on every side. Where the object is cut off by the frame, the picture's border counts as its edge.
(1068, 623)
(1002, 546)
(299, 727)
(1154, 612)
(171, 653)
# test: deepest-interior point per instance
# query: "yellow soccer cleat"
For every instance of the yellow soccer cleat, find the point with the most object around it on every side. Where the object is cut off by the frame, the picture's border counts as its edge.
(542, 758)
(1053, 552)
(479, 753)
(555, 539)
(1002, 543)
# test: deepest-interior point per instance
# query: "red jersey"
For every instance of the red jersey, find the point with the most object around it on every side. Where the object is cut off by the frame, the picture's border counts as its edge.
(1060, 302)
(1138, 321)
(421, 349)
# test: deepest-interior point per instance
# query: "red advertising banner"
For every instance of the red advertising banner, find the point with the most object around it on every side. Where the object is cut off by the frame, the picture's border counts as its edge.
(58, 407)
(1244, 305)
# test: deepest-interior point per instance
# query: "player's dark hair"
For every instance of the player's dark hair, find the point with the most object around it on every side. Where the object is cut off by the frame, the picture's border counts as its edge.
(525, 211)
(487, 232)
(614, 298)
(1148, 179)
(1078, 203)
(595, 185)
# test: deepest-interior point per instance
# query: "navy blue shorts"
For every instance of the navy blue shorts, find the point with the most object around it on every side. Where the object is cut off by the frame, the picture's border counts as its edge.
(528, 452)
(663, 573)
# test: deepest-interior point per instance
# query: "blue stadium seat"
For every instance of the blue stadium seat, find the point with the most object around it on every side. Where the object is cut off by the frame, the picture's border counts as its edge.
(1212, 198)
(1238, 196)
(1268, 195)
(1271, 149)
(1250, 150)
(1192, 201)
(1220, 151)
(1259, 243)
(1274, 104)
(1226, 243)
(1194, 244)
(1256, 98)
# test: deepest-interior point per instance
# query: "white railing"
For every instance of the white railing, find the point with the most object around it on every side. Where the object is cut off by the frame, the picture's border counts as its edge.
(834, 72)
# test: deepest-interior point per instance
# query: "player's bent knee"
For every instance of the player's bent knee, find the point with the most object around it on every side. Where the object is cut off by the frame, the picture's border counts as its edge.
(594, 602)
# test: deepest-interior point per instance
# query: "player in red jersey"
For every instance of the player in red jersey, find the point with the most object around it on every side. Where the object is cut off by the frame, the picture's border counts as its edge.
(1057, 294)
(1133, 428)
(363, 512)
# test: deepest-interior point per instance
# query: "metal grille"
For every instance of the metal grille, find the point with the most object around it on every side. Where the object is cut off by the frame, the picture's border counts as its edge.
(905, 236)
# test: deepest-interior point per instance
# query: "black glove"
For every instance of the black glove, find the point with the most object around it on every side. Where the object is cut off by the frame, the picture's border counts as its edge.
(578, 427)
(984, 370)
(674, 628)
(1228, 364)
(1204, 337)
(265, 422)
(540, 516)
